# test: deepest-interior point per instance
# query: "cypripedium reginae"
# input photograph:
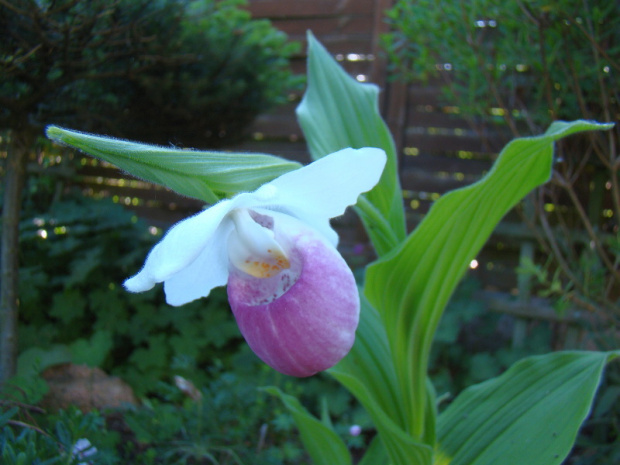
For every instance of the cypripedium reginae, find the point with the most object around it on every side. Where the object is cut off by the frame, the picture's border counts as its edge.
(293, 296)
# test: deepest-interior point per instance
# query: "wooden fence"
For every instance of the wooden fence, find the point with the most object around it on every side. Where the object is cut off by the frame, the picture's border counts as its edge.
(437, 152)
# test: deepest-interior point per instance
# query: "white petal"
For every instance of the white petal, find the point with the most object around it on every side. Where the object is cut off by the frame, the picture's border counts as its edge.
(183, 243)
(207, 271)
(326, 187)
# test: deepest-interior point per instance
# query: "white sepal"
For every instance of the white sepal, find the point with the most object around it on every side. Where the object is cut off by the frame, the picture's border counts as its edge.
(326, 187)
(181, 246)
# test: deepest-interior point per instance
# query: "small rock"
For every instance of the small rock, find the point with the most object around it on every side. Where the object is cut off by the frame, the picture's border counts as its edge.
(87, 388)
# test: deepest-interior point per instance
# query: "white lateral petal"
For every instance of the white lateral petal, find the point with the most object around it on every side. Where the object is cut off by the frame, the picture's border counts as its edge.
(326, 187)
(207, 271)
(180, 246)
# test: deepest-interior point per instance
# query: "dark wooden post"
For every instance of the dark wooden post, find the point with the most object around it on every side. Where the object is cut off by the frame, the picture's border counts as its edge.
(14, 177)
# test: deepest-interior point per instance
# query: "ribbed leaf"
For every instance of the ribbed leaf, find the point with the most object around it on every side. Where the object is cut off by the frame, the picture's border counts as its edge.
(338, 112)
(529, 415)
(375, 453)
(321, 442)
(411, 287)
(206, 176)
(370, 362)
(368, 372)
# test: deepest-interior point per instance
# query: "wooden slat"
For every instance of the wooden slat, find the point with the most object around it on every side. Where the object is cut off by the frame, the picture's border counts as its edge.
(277, 126)
(342, 43)
(379, 28)
(537, 309)
(273, 9)
(424, 95)
(353, 68)
(160, 217)
(437, 163)
(296, 28)
(469, 141)
(161, 196)
(436, 119)
(297, 151)
(422, 180)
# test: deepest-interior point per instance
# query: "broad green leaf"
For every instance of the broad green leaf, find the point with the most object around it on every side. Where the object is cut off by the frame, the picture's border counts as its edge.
(529, 415)
(203, 175)
(370, 362)
(338, 112)
(321, 442)
(35, 360)
(375, 453)
(411, 287)
(368, 372)
(93, 351)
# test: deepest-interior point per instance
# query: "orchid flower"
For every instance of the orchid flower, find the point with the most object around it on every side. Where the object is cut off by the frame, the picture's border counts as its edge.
(292, 294)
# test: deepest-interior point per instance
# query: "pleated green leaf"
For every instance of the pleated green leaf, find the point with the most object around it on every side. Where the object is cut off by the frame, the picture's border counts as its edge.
(529, 415)
(207, 176)
(370, 363)
(411, 287)
(338, 112)
(368, 372)
(375, 453)
(321, 442)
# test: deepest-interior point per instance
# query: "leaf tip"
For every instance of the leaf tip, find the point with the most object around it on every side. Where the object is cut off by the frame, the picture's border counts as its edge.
(53, 132)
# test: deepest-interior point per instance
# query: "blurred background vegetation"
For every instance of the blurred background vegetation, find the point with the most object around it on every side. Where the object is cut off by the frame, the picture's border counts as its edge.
(181, 72)
(512, 68)
(191, 73)
(197, 74)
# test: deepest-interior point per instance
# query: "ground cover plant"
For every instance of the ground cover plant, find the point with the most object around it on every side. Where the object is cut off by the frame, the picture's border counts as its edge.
(260, 242)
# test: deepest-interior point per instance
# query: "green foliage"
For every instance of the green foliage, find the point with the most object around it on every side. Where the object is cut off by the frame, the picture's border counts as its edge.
(473, 344)
(367, 371)
(530, 414)
(599, 439)
(522, 65)
(23, 441)
(409, 286)
(73, 308)
(237, 68)
(338, 112)
(424, 272)
(230, 421)
(535, 61)
(207, 176)
(75, 252)
(209, 72)
(322, 443)
(404, 297)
